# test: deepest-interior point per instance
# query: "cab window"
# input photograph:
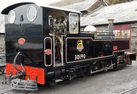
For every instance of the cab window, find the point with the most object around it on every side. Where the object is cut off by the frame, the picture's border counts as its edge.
(57, 22)
(73, 23)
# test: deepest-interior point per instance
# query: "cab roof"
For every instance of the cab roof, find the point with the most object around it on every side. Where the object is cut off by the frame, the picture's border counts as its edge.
(11, 7)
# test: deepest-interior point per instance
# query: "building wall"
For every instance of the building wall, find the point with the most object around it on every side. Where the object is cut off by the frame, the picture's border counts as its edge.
(2, 30)
(122, 31)
(2, 44)
(134, 37)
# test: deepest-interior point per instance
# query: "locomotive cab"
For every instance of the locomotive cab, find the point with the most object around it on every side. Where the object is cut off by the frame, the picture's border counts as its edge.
(61, 23)
(44, 46)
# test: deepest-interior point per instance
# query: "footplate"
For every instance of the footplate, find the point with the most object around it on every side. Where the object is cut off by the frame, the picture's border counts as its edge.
(20, 84)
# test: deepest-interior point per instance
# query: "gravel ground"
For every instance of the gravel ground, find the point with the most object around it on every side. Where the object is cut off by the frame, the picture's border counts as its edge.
(111, 82)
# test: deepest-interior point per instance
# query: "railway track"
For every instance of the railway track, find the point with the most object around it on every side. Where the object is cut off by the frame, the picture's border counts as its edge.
(6, 92)
(11, 91)
(130, 91)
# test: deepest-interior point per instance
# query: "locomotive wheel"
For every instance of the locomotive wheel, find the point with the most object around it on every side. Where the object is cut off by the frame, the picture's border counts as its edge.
(51, 83)
(118, 67)
(115, 64)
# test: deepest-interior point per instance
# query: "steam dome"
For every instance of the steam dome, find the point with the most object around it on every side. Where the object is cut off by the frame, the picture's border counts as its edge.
(90, 29)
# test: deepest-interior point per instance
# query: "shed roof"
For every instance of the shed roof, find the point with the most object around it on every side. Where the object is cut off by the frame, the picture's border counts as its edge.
(124, 12)
(81, 6)
(61, 8)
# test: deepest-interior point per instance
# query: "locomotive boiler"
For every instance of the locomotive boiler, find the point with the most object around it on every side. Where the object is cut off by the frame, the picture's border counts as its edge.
(44, 45)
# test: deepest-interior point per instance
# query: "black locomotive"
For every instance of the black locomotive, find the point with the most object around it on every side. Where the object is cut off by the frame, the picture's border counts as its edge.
(44, 45)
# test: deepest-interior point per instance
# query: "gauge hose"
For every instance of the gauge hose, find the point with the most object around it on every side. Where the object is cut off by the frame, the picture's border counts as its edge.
(14, 63)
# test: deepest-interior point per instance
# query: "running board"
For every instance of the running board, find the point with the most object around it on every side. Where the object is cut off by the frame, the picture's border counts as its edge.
(20, 84)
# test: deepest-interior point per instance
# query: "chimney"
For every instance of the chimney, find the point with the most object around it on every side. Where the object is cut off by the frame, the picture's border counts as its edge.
(110, 26)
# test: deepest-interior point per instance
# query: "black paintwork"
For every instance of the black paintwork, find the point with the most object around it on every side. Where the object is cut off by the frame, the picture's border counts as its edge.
(35, 33)
(93, 48)
(6, 10)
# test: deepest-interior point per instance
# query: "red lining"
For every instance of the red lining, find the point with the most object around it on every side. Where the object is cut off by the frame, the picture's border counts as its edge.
(95, 41)
(49, 52)
(29, 71)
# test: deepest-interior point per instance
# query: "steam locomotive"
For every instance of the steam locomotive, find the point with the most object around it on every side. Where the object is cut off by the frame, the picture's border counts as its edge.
(44, 45)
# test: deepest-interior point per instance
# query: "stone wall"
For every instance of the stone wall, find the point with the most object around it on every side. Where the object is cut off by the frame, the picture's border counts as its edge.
(102, 28)
(2, 44)
(134, 37)
(2, 30)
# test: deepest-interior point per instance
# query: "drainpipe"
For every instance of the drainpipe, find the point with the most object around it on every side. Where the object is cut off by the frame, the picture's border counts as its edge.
(110, 26)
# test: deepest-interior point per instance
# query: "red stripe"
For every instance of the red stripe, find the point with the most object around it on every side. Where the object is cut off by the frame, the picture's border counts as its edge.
(29, 71)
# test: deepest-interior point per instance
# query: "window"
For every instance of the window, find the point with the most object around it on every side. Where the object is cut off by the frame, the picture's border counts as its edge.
(11, 16)
(32, 13)
(73, 23)
(117, 33)
(57, 22)
(125, 33)
(122, 33)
